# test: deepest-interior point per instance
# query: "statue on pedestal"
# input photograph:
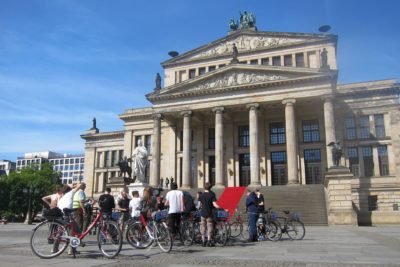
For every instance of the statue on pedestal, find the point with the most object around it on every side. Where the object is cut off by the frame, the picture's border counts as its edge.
(235, 54)
(124, 167)
(336, 152)
(139, 161)
(158, 82)
(324, 59)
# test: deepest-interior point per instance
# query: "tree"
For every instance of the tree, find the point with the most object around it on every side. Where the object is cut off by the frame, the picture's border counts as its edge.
(27, 188)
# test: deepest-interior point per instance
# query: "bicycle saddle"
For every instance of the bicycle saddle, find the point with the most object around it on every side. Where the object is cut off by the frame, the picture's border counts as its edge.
(286, 211)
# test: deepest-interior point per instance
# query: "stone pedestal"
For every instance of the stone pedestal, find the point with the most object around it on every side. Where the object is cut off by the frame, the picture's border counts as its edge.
(338, 191)
(138, 186)
(116, 184)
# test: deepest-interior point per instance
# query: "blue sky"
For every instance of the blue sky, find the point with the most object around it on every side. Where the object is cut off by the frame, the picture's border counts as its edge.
(63, 62)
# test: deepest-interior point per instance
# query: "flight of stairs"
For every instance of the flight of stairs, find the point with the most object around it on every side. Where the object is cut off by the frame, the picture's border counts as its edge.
(308, 200)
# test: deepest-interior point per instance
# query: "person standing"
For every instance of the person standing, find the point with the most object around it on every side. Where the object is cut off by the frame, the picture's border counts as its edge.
(134, 205)
(252, 214)
(79, 205)
(208, 202)
(260, 201)
(52, 200)
(174, 200)
(107, 202)
(123, 208)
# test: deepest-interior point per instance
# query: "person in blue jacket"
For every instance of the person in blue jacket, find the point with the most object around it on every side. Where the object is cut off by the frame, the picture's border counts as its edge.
(252, 214)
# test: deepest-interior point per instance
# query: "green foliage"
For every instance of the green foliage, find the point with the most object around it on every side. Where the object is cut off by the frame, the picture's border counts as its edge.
(30, 183)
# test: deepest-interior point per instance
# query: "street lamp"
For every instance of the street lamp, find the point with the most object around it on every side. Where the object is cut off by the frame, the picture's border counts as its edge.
(28, 219)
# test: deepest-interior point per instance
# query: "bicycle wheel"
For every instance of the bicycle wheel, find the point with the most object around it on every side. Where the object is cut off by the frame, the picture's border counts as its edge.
(187, 233)
(295, 230)
(137, 236)
(273, 231)
(49, 239)
(109, 239)
(235, 229)
(163, 237)
(196, 233)
(221, 233)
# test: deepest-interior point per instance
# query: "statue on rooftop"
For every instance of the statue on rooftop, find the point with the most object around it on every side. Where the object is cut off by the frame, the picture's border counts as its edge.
(158, 82)
(324, 59)
(246, 20)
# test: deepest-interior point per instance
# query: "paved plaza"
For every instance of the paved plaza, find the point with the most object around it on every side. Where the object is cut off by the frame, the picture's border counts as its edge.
(322, 246)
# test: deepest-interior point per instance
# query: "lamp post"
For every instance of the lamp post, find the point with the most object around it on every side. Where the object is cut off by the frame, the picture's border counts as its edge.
(28, 219)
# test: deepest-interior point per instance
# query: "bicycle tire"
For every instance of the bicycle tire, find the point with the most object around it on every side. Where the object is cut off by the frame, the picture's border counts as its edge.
(109, 239)
(163, 237)
(196, 233)
(186, 232)
(221, 234)
(235, 229)
(49, 239)
(137, 236)
(273, 231)
(295, 229)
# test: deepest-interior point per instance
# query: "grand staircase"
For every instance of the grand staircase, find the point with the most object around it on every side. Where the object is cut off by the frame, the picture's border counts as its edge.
(308, 200)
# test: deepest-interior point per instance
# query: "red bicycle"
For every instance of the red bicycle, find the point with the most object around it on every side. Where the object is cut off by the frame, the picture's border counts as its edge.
(51, 237)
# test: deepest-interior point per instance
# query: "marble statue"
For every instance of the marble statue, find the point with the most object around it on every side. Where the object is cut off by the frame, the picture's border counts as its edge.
(139, 162)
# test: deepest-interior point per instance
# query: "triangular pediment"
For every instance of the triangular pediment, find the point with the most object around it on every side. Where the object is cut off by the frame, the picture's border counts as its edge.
(247, 41)
(236, 77)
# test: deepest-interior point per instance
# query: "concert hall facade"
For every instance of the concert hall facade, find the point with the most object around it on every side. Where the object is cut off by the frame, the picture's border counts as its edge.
(261, 117)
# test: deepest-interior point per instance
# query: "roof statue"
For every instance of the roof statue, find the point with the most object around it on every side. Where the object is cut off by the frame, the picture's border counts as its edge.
(158, 82)
(247, 20)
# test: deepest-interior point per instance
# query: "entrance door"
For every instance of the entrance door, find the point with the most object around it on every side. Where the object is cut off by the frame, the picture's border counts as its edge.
(244, 169)
(279, 175)
(313, 173)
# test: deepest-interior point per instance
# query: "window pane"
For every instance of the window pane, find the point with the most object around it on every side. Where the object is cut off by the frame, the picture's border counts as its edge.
(311, 131)
(300, 60)
(288, 60)
(312, 155)
(276, 61)
(265, 61)
(244, 136)
(277, 133)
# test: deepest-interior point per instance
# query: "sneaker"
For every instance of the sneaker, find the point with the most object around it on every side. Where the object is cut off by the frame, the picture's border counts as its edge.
(55, 250)
(210, 244)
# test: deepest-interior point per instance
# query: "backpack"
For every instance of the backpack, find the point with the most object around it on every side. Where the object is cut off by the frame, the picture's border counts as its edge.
(189, 202)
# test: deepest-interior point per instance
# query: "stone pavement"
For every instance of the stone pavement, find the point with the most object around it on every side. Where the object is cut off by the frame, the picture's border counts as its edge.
(322, 246)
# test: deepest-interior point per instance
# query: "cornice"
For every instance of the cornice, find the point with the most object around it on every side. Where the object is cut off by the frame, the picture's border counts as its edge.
(103, 136)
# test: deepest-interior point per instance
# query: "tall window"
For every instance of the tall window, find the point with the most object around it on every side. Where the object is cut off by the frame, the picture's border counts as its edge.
(276, 61)
(383, 160)
(244, 140)
(211, 138)
(137, 138)
(368, 161)
(288, 60)
(279, 173)
(244, 169)
(379, 126)
(211, 170)
(114, 158)
(364, 127)
(277, 133)
(311, 131)
(202, 70)
(265, 61)
(148, 142)
(352, 154)
(372, 203)
(107, 159)
(192, 73)
(350, 125)
(299, 60)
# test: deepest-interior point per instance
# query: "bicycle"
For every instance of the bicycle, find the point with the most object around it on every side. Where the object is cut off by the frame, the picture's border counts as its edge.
(51, 237)
(143, 233)
(292, 225)
(236, 227)
(266, 227)
(221, 232)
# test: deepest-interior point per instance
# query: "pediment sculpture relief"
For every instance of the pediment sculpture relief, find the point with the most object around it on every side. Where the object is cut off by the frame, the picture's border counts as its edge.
(236, 79)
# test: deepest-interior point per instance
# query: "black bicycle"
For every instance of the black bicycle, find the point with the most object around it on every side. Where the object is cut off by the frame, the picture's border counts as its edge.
(290, 224)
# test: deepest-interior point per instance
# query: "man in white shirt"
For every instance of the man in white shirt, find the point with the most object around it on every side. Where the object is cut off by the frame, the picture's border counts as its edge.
(174, 200)
(66, 201)
(134, 204)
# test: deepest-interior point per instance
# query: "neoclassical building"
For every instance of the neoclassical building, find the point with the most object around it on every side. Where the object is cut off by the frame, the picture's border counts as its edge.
(262, 115)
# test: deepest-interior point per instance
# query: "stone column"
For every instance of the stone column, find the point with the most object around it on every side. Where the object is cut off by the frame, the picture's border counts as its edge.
(330, 133)
(186, 179)
(291, 144)
(219, 147)
(375, 157)
(254, 153)
(155, 151)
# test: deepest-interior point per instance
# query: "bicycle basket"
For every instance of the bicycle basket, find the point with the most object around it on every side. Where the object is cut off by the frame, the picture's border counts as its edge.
(52, 214)
(273, 216)
(222, 215)
(296, 216)
(161, 215)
